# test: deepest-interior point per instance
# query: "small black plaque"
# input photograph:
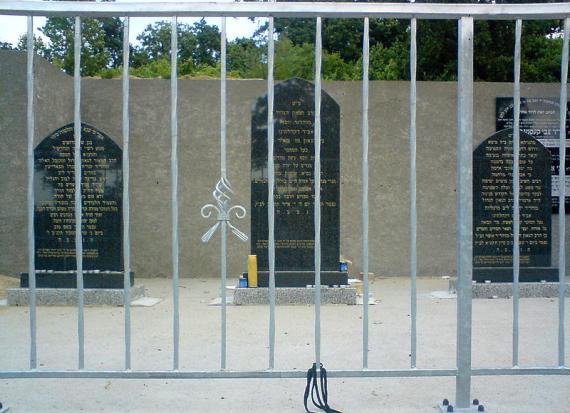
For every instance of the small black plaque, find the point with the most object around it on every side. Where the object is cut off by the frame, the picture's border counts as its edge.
(493, 209)
(294, 179)
(540, 118)
(54, 220)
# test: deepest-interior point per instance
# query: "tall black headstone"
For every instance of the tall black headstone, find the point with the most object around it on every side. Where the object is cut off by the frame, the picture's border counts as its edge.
(493, 210)
(294, 186)
(54, 218)
(540, 118)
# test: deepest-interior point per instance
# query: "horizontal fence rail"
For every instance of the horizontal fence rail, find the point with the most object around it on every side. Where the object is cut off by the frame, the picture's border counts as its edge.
(301, 9)
(275, 374)
(466, 14)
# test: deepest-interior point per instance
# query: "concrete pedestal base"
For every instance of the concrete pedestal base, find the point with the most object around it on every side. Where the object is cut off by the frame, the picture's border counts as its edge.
(294, 296)
(505, 290)
(526, 290)
(68, 296)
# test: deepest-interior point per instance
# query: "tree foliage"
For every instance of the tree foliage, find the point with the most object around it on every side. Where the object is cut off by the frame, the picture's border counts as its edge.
(101, 40)
(39, 45)
(199, 49)
(245, 58)
(198, 46)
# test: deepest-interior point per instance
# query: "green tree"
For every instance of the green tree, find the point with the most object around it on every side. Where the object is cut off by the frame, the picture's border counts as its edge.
(245, 59)
(6, 46)
(437, 45)
(437, 50)
(293, 61)
(208, 46)
(343, 36)
(299, 61)
(198, 44)
(541, 51)
(388, 63)
(154, 68)
(101, 43)
(113, 31)
(39, 45)
(155, 42)
(335, 68)
(199, 48)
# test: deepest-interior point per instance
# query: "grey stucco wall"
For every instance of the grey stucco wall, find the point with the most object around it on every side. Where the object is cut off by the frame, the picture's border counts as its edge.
(54, 108)
(199, 123)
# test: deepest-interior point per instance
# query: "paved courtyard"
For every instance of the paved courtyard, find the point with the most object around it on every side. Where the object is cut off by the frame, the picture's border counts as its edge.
(248, 349)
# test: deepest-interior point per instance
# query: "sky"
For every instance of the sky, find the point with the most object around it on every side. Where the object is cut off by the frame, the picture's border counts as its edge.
(12, 27)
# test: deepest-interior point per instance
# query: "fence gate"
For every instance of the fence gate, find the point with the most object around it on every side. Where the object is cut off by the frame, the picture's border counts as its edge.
(465, 15)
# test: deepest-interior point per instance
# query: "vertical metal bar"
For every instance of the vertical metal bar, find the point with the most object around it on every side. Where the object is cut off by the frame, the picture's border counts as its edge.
(413, 204)
(317, 182)
(223, 103)
(516, 191)
(223, 100)
(562, 196)
(464, 210)
(223, 294)
(31, 201)
(271, 191)
(78, 199)
(174, 173)
(365, 76)
(126, 200)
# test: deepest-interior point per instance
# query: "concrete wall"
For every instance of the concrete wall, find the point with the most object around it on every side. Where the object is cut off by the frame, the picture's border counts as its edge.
(54, 108)
(199, 110)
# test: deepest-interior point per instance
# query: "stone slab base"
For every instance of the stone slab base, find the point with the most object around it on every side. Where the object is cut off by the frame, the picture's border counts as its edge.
(526, 290)
(67, 296)
(294, 296)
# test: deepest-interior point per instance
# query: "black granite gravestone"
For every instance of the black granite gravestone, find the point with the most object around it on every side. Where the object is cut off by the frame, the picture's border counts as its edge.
(540, 118)
(294, 186)
(54, 218)
(493, 210)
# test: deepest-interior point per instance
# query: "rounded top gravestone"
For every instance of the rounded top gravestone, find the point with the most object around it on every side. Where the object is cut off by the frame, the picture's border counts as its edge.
(101, 186)
(493, 209)
(294, 116)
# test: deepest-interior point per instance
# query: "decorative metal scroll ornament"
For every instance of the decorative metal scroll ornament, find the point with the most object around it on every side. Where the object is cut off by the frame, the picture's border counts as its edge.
(223, 195)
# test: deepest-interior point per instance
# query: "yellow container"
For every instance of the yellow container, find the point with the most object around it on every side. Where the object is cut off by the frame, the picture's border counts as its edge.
(252, 270)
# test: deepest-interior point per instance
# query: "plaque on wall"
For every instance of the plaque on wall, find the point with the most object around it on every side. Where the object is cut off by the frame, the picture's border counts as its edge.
(493, 210)
(54, 215)
(540, 118)
(294, 185)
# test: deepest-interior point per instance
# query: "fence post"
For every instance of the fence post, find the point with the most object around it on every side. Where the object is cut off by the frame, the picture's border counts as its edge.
(464, 209)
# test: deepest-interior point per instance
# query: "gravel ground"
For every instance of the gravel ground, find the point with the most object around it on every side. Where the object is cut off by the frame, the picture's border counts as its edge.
(247, 350)
(7, 282)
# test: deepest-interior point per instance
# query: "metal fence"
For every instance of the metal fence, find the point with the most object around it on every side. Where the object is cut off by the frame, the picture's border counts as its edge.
(465, 15)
